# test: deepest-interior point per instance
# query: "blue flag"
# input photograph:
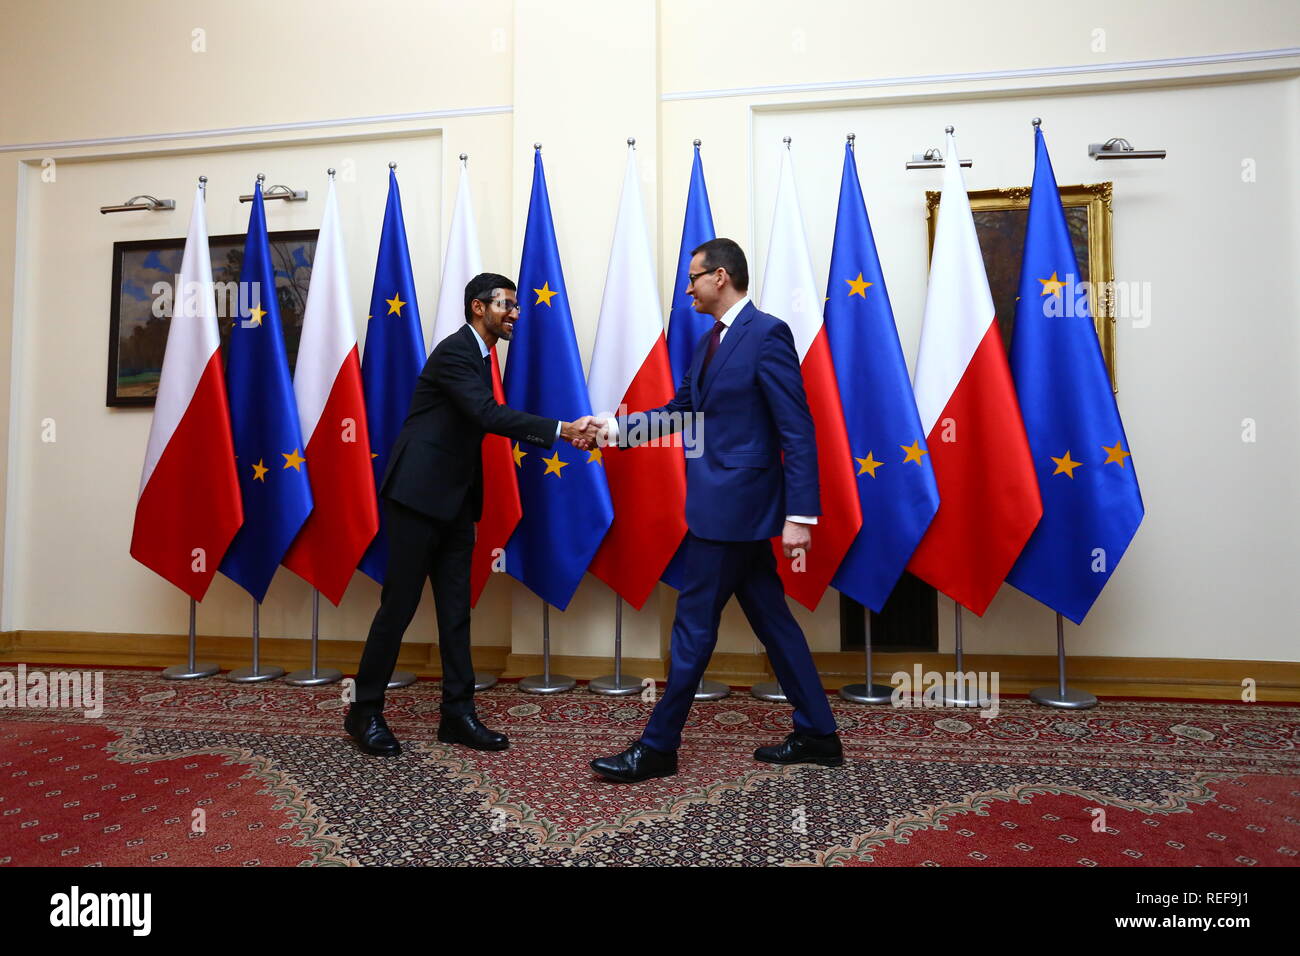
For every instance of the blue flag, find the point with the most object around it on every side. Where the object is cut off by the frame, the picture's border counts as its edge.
(686, 326)
(393, 359)
(896, 486)
(1091, 503)
(567, 508)
(263, 422)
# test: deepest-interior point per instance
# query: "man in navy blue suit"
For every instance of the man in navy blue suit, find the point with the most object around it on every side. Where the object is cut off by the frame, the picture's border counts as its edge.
(745, 385)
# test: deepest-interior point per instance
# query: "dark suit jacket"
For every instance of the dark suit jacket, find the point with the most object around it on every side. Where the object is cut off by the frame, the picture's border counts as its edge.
(754, 409)
(437, 457)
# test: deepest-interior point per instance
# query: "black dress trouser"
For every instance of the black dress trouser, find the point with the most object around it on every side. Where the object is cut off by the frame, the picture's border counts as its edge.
(420, 547)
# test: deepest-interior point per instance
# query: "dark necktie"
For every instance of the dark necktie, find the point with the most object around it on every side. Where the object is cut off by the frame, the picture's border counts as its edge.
(715, 339)
(487, 368)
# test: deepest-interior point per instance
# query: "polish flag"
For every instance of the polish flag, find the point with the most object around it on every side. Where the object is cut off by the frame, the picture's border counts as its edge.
(332, 412)
(501, 506)
(790, 293)
(630, 367)
(988, 494)
(189, 507)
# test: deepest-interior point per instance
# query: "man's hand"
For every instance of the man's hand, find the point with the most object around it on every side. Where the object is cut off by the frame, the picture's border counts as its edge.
(585, 433)
(581, 434)
(796, 536)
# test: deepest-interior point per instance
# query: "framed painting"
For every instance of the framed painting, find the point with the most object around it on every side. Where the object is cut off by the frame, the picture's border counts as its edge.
(139, 320)
(1000, 218)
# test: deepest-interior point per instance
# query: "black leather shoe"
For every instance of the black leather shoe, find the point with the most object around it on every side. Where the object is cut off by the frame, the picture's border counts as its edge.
(635, 764)
(468, 730)
(802, 748)
(371, 734)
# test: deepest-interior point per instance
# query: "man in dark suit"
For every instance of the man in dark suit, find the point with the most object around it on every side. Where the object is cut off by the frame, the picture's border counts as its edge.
(745, 384)
(433, 494)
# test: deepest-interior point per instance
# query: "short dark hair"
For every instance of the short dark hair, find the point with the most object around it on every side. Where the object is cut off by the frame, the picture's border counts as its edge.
(481, 286)
(726, 254)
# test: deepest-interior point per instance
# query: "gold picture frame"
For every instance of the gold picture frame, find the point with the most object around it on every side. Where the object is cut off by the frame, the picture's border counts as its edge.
(1000, 217)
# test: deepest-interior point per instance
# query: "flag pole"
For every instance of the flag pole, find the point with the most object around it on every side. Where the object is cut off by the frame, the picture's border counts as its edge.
(616, 684)
(546, 682)
(770, 690)
(191, 670)
(952, 696)
(313, 676)
(256, 674)
(1066, 698)
(867, 692)
(711, 690)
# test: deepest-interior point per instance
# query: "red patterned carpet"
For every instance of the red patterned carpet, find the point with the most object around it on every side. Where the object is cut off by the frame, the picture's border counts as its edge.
(218, 774)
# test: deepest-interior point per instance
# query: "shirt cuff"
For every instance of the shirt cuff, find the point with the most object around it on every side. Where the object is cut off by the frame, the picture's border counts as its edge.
(801, 519)
(558, 423)
(612, 436)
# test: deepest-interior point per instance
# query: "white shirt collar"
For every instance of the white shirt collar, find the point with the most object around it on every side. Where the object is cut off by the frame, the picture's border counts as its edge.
(730, 315)
(482, 346)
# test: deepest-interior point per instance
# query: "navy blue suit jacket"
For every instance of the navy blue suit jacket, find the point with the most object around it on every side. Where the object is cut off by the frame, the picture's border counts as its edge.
(753, 408)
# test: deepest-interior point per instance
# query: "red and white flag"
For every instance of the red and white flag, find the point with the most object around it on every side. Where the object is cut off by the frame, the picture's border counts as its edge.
(630, 367)
(791, 293)
(332, 411)
(501, 506)
(988, 494)
(189, 507)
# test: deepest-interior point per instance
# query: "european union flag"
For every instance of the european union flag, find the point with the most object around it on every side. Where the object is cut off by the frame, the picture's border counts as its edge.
(1091, 503)
(567, 508)
(393, 359)
(686, 326)
(896, 486)
(263, 422)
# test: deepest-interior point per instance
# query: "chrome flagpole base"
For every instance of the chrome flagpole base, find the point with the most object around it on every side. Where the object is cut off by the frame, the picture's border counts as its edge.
(1071, 700)
(255, 675)
(309, 678)
(769, 690)
(185, 672)
(540, 684)
(712, 690)
(615, 686)
(400, 679)
(483, 681)
(955, 699)
(867, 694)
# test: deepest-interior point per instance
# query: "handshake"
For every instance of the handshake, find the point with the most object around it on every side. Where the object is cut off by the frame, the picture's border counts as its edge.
(587, 432)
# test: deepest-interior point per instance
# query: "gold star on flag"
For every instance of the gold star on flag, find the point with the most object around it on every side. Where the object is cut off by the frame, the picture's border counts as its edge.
(259, 471)
(395, 304)
(1115, 455)
(914, 452)
(868, 465)
(519, 456)
(595, 455)
(553, 465)
(544, 295)
(858, 286)
(374, 454)
(293, 460)
(1052, 286)
(255, 314)
(1065, 466)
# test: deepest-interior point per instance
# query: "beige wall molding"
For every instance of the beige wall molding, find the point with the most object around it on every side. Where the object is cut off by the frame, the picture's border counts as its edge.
(1030, 73)
(266, 128)
(1106, 676)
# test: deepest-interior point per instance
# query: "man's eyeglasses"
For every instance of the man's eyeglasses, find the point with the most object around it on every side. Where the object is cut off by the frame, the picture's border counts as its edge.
(692, 276)
(503, 305)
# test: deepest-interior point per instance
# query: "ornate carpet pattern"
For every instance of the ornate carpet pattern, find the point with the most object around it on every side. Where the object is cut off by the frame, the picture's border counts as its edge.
(212, 773)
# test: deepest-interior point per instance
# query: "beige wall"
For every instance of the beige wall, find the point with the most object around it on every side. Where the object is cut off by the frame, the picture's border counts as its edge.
(117, 97)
